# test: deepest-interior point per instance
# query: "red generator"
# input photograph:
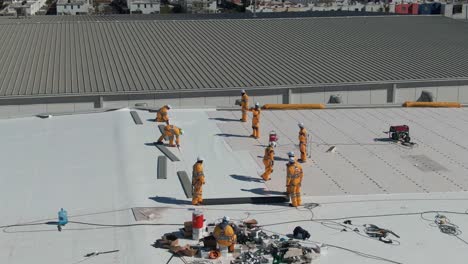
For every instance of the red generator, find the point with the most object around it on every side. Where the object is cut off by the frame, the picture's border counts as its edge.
(399, 133)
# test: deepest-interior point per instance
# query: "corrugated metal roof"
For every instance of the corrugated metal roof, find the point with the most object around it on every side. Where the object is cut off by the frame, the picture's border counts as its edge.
(46, 57)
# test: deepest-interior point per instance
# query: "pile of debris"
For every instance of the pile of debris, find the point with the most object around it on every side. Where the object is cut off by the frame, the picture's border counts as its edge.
(254, 246)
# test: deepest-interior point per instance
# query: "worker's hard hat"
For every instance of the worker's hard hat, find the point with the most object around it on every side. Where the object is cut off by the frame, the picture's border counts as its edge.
(243, 91)
(301, 125)
(181, 131)
(291, 160)
(168, 106)
(273, 144)
(200, 158)
(257, 104)
(226, 219)
(291, 154)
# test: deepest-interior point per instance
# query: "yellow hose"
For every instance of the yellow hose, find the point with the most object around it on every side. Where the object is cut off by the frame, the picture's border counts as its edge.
(293, 106)
(431, 104)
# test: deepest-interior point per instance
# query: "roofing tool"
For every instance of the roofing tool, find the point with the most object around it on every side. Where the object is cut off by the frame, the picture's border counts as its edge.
(380, 233)
(62, 219)
(96, 253)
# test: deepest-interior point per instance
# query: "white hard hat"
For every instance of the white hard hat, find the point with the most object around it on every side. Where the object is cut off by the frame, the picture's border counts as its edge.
(301, 125)
(200, 158)
(168, 106)
(243, 91)
(273, 144)
(291, 154)
(257, 104)
(226, 219)
(291, 160)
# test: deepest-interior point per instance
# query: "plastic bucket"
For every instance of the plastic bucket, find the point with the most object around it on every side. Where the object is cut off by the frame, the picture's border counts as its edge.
(197, 219)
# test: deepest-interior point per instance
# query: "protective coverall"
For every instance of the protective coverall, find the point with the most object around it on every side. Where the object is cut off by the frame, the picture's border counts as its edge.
(198, 179)
(303, 144)
(268, 161)
(225, 236)
(162, 115)
(244, 106)
(171, 131)
(255, 122)
(293, 182)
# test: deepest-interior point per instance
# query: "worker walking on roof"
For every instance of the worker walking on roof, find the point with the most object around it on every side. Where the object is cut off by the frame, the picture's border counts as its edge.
(293, 181)
(162, 115)
(302, 142)
(171, 131)
(244, 105)
(198, 179)
(255, 120)
(269, 161)
(225, 235)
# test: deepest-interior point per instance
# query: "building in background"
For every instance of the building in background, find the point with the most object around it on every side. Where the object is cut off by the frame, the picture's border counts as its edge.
(144, 6)
(456, 11)
(72, 7)
(25, 8)
(202, 6)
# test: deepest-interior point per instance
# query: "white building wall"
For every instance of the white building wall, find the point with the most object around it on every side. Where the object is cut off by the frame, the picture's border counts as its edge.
(72, 9)
(449, 12)
(146, 8)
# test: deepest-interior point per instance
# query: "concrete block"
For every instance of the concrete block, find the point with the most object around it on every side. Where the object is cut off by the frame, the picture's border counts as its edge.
(8, 110)
(267, 99)
(189, 102)
(447, 94)
(32, 109)
(84, 106)
(463, 94)
(222, 101)
(174, 102)
(60, 108)
(378, 96)
(405, 94)
(115, 104)
(310, 96)
(359, 96)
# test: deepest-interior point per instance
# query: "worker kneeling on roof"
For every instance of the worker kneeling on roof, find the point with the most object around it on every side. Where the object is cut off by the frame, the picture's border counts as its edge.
(162, 115)
(171, 131)
(225, 235)
(255, 120)
(198, 179)
(293, 181)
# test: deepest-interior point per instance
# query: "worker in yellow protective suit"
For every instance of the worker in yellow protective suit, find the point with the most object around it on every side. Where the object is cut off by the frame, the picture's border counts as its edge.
(162, 115)
(171, 131)
(225, 235)
(198, 179)
(269, 161)
(293, 181)
(255, 120)
(244, 105)
(302, 142)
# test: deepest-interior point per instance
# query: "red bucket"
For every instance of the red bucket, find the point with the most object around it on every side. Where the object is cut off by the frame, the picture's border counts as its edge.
(273, 137)
(197, 219)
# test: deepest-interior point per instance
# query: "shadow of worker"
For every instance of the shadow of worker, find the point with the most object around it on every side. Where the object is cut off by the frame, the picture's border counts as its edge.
(245, 178)
(169, 200)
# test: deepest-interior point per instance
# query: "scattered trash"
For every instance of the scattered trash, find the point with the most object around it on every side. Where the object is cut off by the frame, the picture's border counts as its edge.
(300, 233)
(214, 254)
(332, 149)
(380, 233)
